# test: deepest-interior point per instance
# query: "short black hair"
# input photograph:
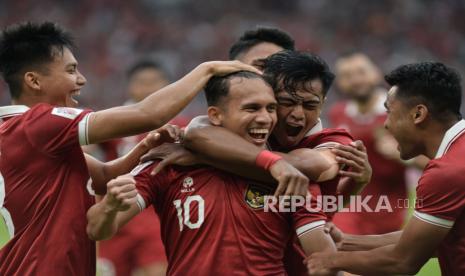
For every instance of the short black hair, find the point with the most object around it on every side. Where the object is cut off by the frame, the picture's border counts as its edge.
(292, 70)
(430, 83)
(262, 34)
(27, 46)
(218, 86)
(142, 65)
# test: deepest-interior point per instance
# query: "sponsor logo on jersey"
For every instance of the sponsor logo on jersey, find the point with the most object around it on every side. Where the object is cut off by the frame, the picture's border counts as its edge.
(255, 195)
(66, 112)
(187, 185)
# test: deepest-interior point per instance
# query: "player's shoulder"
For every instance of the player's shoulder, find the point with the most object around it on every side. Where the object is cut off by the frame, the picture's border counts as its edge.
(337, 135)
(47, 110)
(443, 174)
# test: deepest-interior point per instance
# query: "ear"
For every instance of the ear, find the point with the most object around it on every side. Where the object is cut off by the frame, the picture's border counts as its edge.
(31, 79)
(419, 113)
(215, 115)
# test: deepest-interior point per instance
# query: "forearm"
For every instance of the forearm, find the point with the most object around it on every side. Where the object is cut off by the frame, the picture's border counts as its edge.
(124, 164)
(368, 242)
(383, 260)
(220, 148)
(316, 165)
(348, 187)
(101, 222)
(152, 112)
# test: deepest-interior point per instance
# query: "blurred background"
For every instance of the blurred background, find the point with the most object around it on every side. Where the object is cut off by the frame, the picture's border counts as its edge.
(112, 34)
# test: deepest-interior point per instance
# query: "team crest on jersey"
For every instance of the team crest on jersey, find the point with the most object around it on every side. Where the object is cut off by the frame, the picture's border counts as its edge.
(187, 185)
(66, 112)
(255, 195)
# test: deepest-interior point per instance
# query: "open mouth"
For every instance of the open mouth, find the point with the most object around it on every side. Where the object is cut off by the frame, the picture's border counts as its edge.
(259, 134)
(74, 94)
(293, 130)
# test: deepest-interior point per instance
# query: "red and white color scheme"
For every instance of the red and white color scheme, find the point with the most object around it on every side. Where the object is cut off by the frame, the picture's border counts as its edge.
(213, 222)
(441, 198)
(43, 194)
(317, 138)
(388, 175)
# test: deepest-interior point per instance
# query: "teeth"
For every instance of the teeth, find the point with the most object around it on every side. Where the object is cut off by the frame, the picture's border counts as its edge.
(259, 131)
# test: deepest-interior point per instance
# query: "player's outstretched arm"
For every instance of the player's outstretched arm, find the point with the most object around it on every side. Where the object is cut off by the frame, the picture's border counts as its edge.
(348, 242)
(220, 147)
(160, 107)
(101, 173)
(317, 241)
(418, 243)
(116, 208)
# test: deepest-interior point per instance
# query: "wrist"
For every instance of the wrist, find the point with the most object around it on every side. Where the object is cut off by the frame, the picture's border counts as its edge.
(265, 159)
(107, 207)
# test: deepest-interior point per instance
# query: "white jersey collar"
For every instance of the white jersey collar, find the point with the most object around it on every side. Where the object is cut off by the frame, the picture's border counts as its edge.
(351, 109)
(451, 135)
(12, 110)
(316, 128)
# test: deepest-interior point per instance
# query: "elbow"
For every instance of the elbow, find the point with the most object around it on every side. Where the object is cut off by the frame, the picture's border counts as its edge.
(193, 136)
(406, 267)
(328, 172)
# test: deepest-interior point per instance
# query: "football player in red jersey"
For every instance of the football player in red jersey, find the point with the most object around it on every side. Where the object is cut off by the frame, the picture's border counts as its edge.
(43, 193)
(254, 47)
(222, 226)
(423, 114)
(137, 247)
(363, 115)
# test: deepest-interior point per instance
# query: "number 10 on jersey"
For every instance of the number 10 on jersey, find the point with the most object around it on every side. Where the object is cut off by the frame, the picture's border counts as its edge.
(184, 214)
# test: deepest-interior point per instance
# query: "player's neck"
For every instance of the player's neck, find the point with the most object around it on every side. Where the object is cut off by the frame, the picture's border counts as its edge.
(28, 100)
(368, 105)
(434, 136)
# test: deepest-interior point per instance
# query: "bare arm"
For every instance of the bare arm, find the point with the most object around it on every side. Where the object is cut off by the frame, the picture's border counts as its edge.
(157, 109)
(416, 245)
(221, 148)
(317, 241)
(368, 242)
(106, 217)
(101, 172)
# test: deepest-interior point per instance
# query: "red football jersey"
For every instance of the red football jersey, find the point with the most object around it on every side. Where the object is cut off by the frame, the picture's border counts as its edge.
(441, 198)
(214, 223)
(318, 138)
(388, 175)
(43, 194)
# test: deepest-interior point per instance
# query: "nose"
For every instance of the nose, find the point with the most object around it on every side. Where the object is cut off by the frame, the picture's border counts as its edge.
(264, 117)
(297, 112)
(81, 80)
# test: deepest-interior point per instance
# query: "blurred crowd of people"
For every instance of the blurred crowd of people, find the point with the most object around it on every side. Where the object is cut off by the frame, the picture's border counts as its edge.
(112, 34)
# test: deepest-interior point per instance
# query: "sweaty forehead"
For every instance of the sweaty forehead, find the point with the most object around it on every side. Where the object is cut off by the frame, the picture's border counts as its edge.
(243, 88)
(312, 90)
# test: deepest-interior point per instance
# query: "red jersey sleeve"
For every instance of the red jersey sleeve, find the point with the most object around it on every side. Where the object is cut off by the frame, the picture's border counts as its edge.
(148, 186)
(326, 138)
(440, 196)
(54, 130)
(310, 216)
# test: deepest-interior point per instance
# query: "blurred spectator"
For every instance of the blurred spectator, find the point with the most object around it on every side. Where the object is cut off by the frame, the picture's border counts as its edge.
(182, 33)
(137, 248)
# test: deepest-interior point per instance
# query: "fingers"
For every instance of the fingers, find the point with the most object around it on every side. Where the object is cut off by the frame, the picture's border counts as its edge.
(160, 166)
(152, 139)
(349, 162)
(350, 174)
(281, 187)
